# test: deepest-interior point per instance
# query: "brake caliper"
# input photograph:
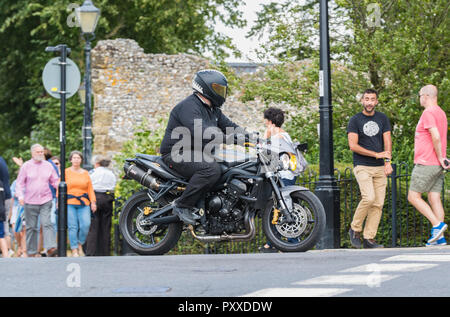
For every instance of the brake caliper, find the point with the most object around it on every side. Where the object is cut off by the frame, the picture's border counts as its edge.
(147, 211)
(276, 213)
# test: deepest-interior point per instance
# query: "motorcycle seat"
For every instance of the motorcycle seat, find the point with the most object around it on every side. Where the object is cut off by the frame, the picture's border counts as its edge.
(158, 160)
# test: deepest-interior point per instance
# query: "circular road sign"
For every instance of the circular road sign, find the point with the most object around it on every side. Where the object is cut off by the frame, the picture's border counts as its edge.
(51, 76)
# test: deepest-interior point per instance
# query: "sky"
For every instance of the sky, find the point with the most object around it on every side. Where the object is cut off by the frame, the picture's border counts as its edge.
(247, 46)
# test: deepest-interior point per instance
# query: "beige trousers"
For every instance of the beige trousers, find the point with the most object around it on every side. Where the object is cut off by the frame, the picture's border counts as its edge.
(372, 184)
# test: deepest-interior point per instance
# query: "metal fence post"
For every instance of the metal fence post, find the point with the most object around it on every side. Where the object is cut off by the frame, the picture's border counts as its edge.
(394, 204)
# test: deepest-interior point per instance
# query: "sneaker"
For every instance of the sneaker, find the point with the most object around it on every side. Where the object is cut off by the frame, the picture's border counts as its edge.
(186, 215)
(355, 238)
(438, 242)
(436, 232)
(371, 244)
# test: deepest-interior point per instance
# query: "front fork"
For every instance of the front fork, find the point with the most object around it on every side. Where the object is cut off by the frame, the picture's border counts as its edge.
(283, 196)
(281, 200)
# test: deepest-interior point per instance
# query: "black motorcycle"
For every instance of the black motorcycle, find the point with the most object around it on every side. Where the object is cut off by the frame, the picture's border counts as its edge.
(293, 218)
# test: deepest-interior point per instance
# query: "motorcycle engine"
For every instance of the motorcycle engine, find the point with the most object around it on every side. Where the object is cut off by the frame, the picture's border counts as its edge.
(224, 214)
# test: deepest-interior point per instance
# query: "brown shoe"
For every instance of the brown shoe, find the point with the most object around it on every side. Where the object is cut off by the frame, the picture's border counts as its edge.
(52, 252)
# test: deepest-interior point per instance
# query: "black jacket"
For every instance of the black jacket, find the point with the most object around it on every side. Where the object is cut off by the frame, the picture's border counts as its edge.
(192, 118)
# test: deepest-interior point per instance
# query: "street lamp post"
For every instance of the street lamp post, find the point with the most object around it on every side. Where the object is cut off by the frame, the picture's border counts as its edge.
(87, 16)
(327, 189)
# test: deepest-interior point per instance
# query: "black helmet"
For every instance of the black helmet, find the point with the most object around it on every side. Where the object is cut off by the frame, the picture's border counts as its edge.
(212, 84)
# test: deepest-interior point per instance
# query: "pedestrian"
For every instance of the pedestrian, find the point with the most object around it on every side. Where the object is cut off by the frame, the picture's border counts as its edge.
(369, 138)
(104, 182)
(48, 155)
(57, 162)
(3, 244)
(80, 201)
(4, 177)
(16, 218)
(34, 194)
(54, 217)
(19, 233)
(280, 142)
(430, 149)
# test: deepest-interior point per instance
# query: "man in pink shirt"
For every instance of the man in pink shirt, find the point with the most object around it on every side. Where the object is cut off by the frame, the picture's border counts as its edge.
(34, 194)
(430, 147)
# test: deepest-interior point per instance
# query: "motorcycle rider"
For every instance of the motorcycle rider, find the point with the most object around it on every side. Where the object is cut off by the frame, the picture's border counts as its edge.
(199, 113)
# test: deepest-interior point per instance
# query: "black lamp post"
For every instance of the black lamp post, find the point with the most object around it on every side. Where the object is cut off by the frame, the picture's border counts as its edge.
(87, 16)
(327, 189)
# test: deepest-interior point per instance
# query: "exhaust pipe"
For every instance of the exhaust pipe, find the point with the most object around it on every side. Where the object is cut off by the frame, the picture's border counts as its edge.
(139, 175)
(249, 235)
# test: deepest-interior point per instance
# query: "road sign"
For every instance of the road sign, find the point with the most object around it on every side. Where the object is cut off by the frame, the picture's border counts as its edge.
(51, 76)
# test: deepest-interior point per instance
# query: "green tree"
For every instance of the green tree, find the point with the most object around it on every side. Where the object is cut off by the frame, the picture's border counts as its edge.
(28, 26)
(395, 46)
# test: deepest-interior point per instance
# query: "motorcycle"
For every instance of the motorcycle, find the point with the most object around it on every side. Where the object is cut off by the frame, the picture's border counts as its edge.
(293, 218)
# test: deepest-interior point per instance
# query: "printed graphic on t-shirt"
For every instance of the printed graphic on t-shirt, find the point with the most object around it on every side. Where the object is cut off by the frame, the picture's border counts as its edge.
(371, 128)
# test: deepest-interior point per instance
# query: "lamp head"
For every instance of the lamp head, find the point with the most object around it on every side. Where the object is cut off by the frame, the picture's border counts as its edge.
(87, 16)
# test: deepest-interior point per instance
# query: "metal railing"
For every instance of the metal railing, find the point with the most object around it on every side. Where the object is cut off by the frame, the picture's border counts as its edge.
(401, 225)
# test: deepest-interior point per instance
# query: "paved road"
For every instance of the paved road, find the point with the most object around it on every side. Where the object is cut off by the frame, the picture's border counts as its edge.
(387, 272)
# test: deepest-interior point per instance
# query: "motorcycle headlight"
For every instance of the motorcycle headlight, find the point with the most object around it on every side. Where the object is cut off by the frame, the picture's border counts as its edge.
(285, 161)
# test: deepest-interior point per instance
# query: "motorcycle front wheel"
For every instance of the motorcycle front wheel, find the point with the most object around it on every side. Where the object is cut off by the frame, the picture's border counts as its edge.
(142, 238)
(304, 232)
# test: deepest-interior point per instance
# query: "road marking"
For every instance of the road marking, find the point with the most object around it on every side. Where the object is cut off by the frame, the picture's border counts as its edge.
(373, 278)
(429, 257)
(360, 279)
(297, 292)
(391, 267)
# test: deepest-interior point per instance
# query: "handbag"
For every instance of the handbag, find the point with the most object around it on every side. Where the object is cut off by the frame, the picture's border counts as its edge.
(302, 164)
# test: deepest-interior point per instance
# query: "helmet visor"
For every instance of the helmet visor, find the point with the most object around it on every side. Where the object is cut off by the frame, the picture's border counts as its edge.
(220, 90)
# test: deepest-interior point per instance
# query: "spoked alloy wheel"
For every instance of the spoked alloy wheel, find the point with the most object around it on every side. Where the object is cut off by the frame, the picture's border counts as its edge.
(306, 229)
(143, 237)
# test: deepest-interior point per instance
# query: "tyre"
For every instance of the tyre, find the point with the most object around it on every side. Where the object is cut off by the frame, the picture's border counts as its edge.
(308, 226)
(147, 239)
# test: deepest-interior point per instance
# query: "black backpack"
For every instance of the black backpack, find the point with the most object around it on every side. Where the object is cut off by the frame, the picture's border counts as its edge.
(2, 203)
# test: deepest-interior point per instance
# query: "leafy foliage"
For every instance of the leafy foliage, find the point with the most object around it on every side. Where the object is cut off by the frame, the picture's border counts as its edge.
(28, 26)
(145, 140)
(296, 83)
(406, 49)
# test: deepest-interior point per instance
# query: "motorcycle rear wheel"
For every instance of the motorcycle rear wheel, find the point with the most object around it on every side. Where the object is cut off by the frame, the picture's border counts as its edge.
(305, 232)
(147, 239)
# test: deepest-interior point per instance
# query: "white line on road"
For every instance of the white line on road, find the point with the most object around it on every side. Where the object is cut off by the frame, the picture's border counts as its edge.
(429, 257)
(390, 267)
(360, 279)
(297, 292)
(374, 278)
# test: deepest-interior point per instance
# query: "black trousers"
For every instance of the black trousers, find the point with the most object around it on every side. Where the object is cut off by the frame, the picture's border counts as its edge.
(98, 241)
(202, 177)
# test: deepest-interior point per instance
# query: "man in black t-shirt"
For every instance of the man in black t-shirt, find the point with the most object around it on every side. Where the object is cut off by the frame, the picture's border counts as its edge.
(369, 137)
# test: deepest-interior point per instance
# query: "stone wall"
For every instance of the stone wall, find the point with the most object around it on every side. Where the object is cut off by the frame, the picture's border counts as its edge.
(129, 85)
